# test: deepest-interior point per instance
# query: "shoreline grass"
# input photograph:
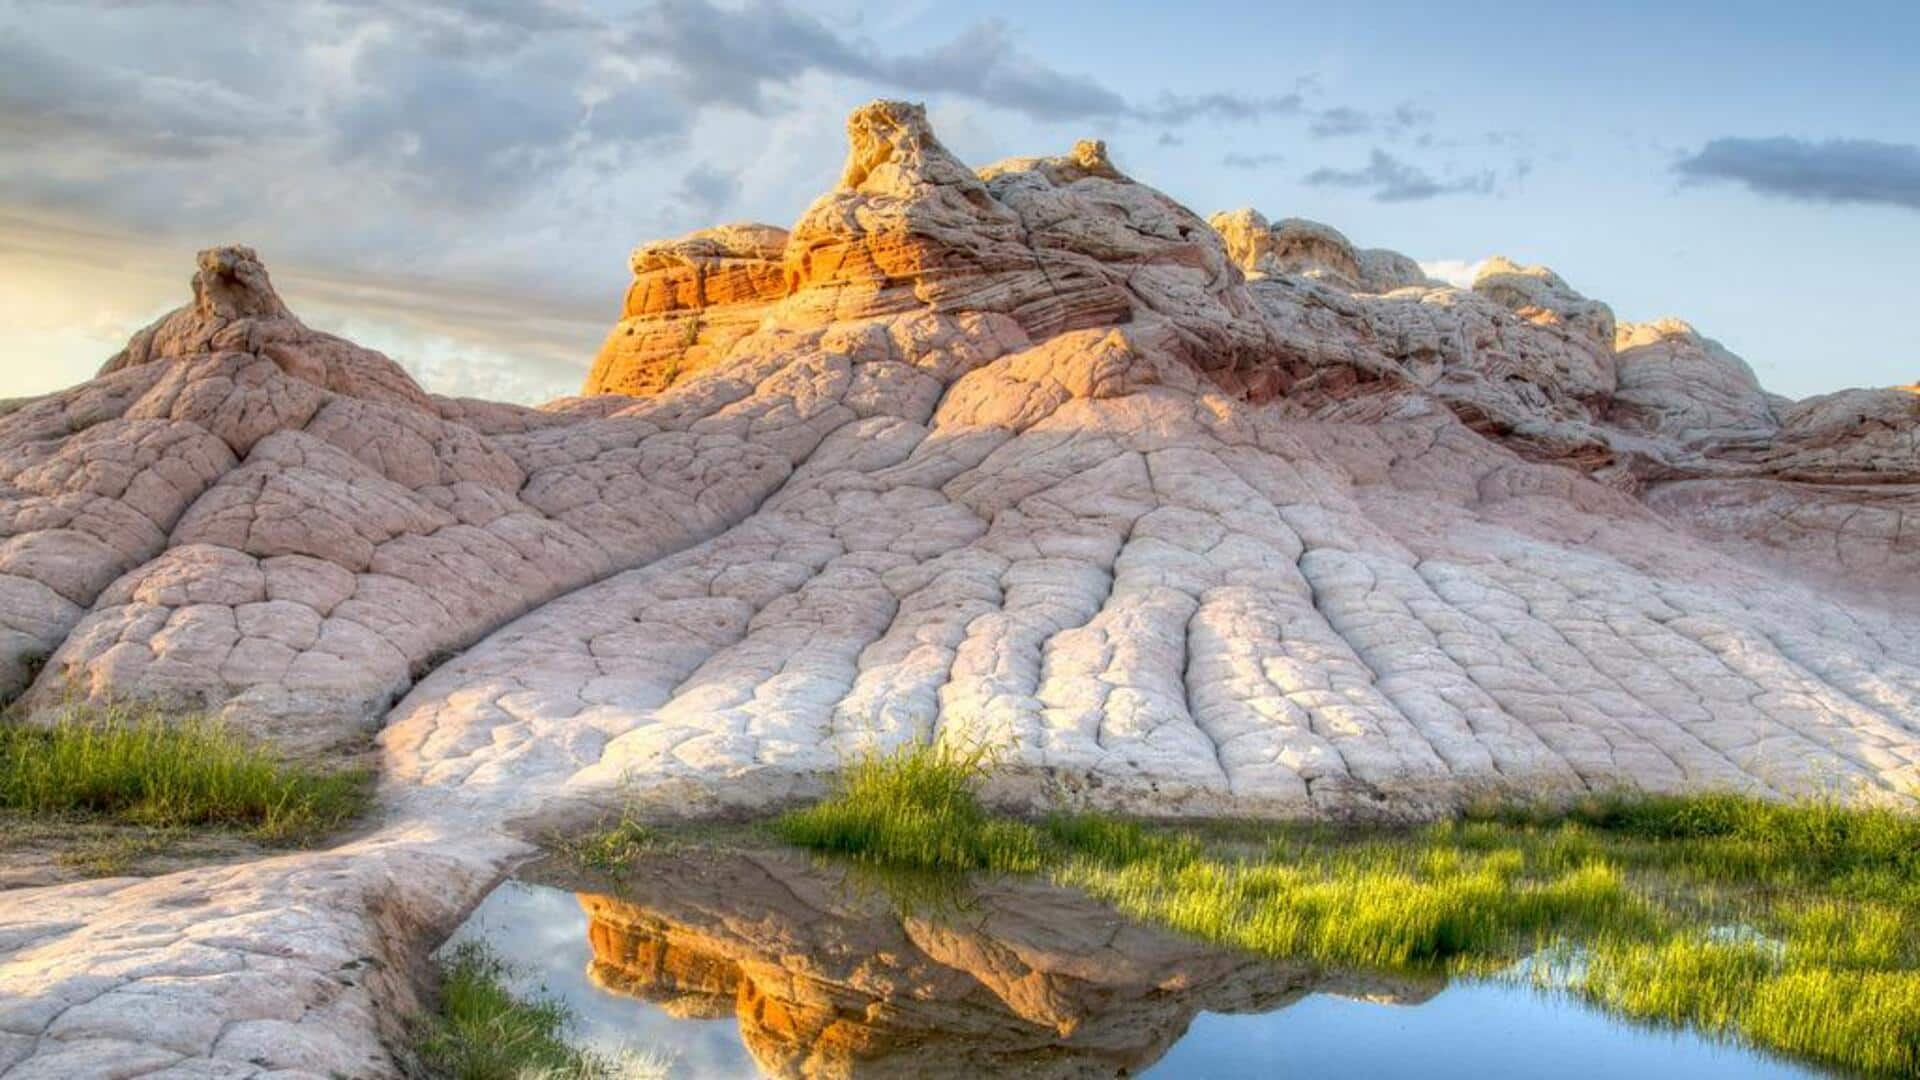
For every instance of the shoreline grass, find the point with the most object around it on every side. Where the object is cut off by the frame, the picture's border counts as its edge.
(1794, 927)
(481, 1030)
(607, 851)
(136, 767)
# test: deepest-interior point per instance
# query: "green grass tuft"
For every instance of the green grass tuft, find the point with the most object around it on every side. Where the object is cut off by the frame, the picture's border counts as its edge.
(915, 807)
(482, 1031)
(139, 768)
(610, 851)
(1794, 926)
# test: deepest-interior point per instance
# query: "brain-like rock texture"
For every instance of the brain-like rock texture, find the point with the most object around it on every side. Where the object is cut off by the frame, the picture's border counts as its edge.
(1676, 386)
(1180, 518)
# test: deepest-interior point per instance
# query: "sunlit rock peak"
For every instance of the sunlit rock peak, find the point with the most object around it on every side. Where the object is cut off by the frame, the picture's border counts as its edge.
(1178, 519)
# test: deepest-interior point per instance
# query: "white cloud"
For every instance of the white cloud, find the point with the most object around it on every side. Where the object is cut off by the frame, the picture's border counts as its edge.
(1458, 273)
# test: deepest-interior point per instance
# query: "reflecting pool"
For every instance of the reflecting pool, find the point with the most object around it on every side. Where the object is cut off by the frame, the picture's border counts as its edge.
(730, 964)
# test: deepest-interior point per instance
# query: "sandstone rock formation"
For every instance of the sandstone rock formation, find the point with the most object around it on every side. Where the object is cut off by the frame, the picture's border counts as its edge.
(1674, 385)
(690, 301)
(1300, 248)
(827, 979)
(243, 513)
(1031, 457)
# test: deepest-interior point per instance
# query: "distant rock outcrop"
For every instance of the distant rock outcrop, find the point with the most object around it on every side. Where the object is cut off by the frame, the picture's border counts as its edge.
(1182, 520)
(1301, 248)
(1674, 385)
(690, 301)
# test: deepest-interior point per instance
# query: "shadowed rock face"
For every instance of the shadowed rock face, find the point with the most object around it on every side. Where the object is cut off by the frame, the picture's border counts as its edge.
(1181, 521)
(827, 979)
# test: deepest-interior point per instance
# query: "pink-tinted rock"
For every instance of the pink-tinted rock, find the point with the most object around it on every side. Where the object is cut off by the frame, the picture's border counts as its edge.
(1177, 521)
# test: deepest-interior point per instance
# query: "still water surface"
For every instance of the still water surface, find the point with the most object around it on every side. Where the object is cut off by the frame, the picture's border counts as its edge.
(734, 966)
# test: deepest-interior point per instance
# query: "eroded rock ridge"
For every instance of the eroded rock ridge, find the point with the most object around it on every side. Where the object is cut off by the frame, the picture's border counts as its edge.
(1183, 518)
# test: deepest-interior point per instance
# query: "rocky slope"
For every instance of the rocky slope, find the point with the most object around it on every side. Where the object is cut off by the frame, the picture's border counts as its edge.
(1185, 518)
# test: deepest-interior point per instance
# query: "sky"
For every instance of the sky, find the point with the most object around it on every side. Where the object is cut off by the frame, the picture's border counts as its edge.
(458, 182)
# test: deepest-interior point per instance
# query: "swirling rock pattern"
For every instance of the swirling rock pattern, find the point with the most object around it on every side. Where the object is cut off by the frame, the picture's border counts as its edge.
(1184, 519)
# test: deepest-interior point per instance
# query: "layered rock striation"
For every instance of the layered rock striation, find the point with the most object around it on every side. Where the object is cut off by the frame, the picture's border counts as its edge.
(1180, 518)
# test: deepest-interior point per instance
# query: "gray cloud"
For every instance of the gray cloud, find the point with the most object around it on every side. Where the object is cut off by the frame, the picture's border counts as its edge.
(708, 189)
(1406, 116)
(983, 63)
(732, 56)
(735, 55)
(467, 27)
(450, 109)
(1343, 120)
(1831, 170)
(1187, 108)
(452, 105)
(1392, 180)
(53, 99)
(475, 130)
(1251, 161)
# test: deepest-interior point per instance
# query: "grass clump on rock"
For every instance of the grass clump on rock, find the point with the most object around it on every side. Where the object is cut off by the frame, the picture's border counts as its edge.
(917, 808)
(1792, 926)
(608, 851)
(137, 767)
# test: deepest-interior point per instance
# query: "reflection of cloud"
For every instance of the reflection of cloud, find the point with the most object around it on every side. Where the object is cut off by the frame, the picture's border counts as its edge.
(542, 934)
(1499, 1027)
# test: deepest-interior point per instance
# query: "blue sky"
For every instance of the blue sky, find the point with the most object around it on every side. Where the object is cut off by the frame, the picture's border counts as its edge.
(459, 182)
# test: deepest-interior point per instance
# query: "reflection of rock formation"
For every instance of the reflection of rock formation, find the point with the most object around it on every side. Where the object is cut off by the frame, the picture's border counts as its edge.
(1021, 979)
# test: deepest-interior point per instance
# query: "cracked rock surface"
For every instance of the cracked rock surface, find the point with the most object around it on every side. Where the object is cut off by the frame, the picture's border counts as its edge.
(1183, 518)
